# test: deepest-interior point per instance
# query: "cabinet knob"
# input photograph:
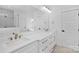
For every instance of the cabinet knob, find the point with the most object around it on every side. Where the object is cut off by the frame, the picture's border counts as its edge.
(63, 30)
(44, 41)
(78, 29)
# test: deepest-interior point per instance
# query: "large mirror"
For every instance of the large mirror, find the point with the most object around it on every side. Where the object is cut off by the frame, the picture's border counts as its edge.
(29, 18)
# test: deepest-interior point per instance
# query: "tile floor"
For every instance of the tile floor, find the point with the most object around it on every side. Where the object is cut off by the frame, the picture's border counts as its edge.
(60, 49)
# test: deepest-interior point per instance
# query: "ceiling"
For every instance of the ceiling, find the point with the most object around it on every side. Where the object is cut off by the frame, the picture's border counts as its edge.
(24, 8)
(36, 8)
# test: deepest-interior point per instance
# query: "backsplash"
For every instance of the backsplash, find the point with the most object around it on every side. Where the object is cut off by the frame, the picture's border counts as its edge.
(6, 32)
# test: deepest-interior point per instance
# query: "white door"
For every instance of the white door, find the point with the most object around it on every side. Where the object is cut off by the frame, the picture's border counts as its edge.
(70, 28)
(70, 21)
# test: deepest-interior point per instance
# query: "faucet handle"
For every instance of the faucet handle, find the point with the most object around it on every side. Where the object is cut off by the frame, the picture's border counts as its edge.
(16, 36)
(11, 38)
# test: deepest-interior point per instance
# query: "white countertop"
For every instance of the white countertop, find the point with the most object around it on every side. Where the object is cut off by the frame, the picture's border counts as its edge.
(28, 38)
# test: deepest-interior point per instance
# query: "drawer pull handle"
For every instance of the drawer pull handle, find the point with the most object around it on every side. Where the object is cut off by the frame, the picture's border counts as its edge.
(44, 41)
(44, 48)
(63, 30)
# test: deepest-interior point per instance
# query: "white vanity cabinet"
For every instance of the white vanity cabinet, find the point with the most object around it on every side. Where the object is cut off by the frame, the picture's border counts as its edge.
(30, 48)
(46, 45)
(42, 44)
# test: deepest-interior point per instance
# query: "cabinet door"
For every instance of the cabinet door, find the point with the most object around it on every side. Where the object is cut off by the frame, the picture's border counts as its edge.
(46, 45)
(30, 48)
(70, 27)
(43, 45)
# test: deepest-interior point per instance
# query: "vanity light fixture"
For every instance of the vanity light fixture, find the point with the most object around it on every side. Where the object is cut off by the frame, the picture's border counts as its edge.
(46, 9)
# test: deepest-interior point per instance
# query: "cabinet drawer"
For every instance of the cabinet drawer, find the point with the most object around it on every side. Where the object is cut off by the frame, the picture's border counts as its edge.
(44, 42)
(44, 49)
(30, 48)
(48, 49)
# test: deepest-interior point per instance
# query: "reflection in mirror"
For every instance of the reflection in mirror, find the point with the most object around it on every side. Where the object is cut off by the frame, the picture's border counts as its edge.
(28, 18)
(6, 18)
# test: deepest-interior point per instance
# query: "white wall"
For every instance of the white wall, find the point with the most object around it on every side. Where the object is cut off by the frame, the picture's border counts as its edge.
(55, 18)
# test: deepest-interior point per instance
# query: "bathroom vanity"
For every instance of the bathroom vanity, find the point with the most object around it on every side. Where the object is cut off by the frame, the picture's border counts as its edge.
(41, 42)
(31, 42)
